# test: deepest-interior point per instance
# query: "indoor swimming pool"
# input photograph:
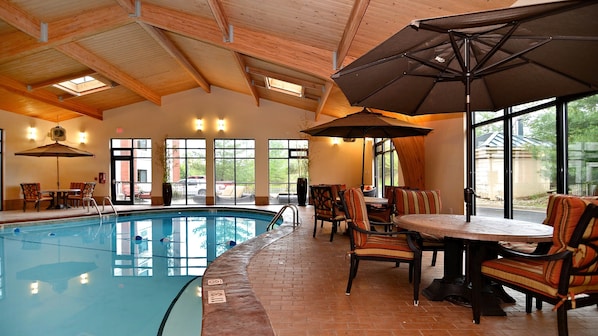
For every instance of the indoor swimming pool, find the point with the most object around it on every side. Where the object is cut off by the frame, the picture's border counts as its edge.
(135, 274)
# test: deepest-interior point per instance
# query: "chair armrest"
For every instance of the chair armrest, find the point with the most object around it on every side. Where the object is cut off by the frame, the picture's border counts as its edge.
(506, 252)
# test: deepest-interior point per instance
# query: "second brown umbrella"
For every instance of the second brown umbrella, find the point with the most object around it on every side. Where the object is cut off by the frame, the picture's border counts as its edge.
(56, 150)
(367, 124)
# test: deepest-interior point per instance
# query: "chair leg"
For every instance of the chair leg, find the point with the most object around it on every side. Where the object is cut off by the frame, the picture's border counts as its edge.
(333, 230)
(561, 316)
(539, 304)
(528, 303)
(315, 226)
(352, 273)
(434, 256)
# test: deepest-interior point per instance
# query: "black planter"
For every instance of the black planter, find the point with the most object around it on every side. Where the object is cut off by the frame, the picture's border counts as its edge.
(167, 193)
(301, 190)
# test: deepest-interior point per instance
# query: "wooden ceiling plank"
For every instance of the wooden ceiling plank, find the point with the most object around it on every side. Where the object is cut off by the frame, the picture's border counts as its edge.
(47, 97)
(290, 79)
(85, 57)
(243, 66)
(163, 40)
(327, 89)
(221, 20)
(314, 61)
(13, 46)
(357, 14)
(20, 19)
(56, 80)
(128, 5)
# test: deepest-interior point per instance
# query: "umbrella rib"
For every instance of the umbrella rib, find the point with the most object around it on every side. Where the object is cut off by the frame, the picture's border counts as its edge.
(494, 49)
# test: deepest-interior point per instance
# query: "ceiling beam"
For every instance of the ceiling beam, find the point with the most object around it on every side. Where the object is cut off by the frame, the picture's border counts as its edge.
(22, 20)
(325, 94)
(243, 67)
(47, 97)
(221, 20)
(15, 45)
(128, 5)
(85, 57)
(304, 58)
(357, 13)
(163, 40)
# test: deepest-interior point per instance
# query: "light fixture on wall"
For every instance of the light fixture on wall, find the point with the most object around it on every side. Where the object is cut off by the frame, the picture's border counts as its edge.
(82, 137)
(34, 287)
(31, 133)
(84, 278)
(199, 124)
(221, 124)
(335, 141)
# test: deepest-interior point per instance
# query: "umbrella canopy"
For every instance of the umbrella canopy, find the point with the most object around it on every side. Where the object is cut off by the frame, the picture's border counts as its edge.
(57, 150)
(367, 124)
(482, 61)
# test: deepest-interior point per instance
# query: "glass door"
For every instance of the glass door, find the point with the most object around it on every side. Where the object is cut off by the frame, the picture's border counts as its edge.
(122, 176)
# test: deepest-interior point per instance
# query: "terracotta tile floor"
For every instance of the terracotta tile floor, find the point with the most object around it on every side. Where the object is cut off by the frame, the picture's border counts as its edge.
(300, 281)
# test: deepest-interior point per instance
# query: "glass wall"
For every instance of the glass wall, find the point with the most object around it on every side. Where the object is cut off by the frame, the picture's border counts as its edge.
(287, 161)
(234, 168)
(188, 171)
(386, 165)
(522, 154)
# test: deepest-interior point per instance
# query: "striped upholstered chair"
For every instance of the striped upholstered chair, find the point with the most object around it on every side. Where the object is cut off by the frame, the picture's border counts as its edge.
(567, 276)
(411, 201)
(366, 244)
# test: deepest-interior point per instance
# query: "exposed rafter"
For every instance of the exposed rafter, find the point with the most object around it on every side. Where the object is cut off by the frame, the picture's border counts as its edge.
(178, 56)
(23, 21)
(357, 13)
(243, 67)
(327, 89)
(221, 20)
(55, 80)
(108, 70)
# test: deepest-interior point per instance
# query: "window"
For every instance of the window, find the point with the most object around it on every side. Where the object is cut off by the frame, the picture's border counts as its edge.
(287, 161)
(187, 158)
(82, 86)
(386, 165)
(284, 87)
(523, 152)
(234, 168)
(131, 170)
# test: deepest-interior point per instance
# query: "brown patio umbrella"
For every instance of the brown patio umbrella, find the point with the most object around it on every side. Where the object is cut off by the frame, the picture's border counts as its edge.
(482, 61)
(57, 150)
(367, 124)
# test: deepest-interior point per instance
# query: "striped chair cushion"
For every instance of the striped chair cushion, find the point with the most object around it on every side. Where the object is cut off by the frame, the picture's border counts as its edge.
(568, 211)
(379, 246)
(357, 211)
(417, 201)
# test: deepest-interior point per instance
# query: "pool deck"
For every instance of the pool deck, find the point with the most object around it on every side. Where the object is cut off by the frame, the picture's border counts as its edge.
(288, 283)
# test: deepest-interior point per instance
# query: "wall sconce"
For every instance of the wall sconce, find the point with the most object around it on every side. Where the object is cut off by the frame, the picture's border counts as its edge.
(82, 137)
(34, 287)
(221, 124)
(84, 278)
(335, 141)
(199, 124)
(31, 133)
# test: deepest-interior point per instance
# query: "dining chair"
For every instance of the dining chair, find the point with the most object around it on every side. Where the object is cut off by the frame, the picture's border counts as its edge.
(567, 276)
(366, 244)
(74, 197)
(383, 213)
(32, 194)
(326, 208)
(413, 201)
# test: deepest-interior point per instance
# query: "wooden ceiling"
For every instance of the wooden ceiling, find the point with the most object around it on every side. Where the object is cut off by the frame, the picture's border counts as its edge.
(151, 48)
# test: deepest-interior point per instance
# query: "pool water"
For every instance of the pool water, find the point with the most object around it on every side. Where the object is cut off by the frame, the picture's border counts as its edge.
(118, 276)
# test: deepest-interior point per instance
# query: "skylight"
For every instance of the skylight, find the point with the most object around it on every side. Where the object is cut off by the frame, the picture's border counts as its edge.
(284, 87)
(82, 85)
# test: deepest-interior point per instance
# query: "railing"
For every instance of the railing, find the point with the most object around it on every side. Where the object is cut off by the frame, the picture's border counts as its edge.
(91, 201)
(278, 215)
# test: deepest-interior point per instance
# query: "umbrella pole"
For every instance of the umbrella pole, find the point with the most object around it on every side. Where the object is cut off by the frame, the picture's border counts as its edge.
(362, 162)
(468, 192)
(57, 174)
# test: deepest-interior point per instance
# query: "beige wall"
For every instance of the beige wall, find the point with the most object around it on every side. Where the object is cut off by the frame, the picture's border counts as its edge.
(330, 163)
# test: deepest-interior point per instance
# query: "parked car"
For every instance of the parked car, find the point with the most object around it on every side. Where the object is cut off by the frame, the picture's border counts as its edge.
(196, 185)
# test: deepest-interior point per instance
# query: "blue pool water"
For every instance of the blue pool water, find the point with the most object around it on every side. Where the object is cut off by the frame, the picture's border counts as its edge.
(117, 277)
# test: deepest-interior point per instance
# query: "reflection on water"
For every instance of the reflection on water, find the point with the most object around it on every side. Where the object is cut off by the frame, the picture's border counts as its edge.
(114, 278)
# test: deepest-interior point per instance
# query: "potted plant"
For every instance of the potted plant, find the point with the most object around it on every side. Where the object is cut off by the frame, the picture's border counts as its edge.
(163, 163)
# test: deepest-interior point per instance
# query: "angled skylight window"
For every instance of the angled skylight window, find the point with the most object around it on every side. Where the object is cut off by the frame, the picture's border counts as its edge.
(82, 85)
(284, 87)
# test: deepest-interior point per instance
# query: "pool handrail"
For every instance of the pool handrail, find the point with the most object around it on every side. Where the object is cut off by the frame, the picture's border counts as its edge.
(278, 215)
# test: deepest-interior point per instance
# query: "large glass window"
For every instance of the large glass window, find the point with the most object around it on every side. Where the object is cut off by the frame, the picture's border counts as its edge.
(525, 153)
(188, 171)
(234, 168)
(287, 161)
(386, 165)
(131, 170)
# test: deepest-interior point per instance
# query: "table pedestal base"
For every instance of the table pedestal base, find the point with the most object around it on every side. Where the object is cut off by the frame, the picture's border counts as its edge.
(459, 293)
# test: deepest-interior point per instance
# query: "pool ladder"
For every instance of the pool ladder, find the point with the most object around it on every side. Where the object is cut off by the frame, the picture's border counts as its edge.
(278, 215)
(91, 201)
